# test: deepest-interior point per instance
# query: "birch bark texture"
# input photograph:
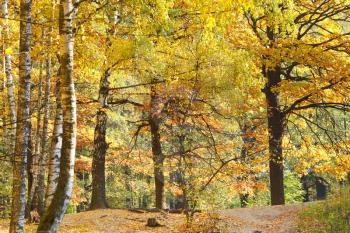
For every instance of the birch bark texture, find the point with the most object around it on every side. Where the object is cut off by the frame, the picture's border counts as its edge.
(55, 212)
(54, 154)
(44, 139)
(10, 86)
(34, 160)
(55, 151)
(22, 143)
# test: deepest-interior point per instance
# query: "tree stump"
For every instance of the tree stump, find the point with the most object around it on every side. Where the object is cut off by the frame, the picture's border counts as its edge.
(152, 222)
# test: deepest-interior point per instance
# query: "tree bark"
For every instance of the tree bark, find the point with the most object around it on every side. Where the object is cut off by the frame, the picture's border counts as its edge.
(4, 99)
(248, 140)
(244, 199)
(127, 174)
(55, 212)
(305, 184)
(34, 161)
(98, 198)
(44, 139)
(9, 81)
(56, 140)
(56, 146)
(30, 175)
(158, 157)
(23, 120)
(276, 122)
(321, 188)
(3, 95)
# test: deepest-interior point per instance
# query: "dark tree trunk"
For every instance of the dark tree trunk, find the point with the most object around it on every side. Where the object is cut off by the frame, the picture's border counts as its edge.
(98, 198)
(305, 185)
(244, 199)
(248, 145)
(275, 119)
(321, 188)
(176, 177)
(144, 201)
(23, 121)
(158, 157)
(126, 176)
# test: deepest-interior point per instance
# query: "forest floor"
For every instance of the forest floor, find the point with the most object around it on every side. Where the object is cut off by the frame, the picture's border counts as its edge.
(270, 219)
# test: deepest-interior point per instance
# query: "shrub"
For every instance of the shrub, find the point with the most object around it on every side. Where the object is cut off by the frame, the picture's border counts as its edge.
(205, 223)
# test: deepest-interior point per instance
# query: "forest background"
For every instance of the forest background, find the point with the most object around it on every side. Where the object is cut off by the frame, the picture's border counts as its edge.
(171, 104)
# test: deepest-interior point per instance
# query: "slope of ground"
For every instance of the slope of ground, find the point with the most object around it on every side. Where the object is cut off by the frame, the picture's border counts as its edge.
(270, 219)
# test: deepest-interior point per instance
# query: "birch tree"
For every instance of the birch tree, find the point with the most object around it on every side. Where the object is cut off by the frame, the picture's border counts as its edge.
(55, 151)
(55, 212)
(34, 160)
(23, 120)
(44, 139)
(9, 78)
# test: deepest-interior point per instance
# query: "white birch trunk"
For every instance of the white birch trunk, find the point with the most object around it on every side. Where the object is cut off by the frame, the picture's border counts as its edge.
(55, 212)
(22, 146)
(9, 81)
(34, 163)
(55, 152)
(44, 140)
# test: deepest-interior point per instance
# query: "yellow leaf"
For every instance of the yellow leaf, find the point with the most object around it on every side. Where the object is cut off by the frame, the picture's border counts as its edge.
(211, 23)
(9, 51)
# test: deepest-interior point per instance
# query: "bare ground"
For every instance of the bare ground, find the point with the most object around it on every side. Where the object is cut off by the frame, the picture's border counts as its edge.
(270, 219)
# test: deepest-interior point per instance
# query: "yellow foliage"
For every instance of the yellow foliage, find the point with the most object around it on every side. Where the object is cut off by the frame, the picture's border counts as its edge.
(9, 51)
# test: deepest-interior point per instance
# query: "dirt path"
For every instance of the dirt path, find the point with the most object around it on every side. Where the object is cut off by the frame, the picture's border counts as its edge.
(269, 219)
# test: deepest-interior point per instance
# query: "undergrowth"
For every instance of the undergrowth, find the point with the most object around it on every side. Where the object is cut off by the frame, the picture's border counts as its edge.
(329, 216)
(205, 223)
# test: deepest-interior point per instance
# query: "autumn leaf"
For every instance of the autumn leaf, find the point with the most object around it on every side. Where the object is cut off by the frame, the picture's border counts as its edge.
(9, 51)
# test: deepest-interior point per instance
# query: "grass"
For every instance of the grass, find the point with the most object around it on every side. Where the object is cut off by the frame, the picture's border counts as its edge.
(330, 216)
